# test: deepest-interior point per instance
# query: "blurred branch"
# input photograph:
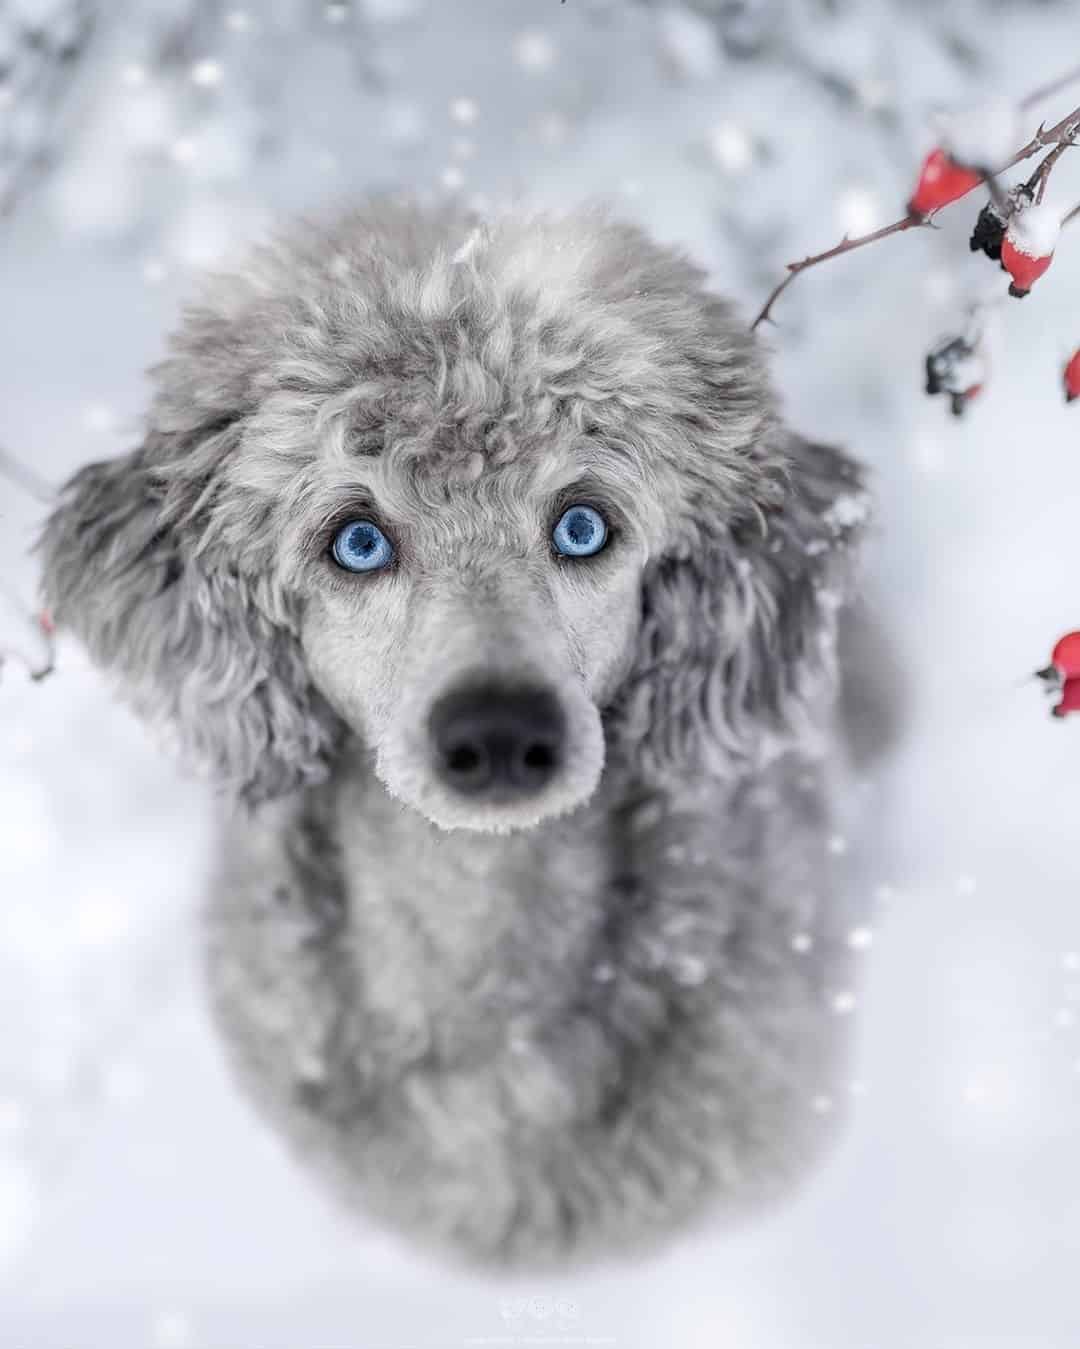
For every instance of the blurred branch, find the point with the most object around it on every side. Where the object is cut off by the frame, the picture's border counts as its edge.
(36, 76)
(24, 477)
(24, 635)
(1048, 90)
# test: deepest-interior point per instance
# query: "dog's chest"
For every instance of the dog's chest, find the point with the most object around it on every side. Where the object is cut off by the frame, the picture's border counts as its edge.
(462, 941)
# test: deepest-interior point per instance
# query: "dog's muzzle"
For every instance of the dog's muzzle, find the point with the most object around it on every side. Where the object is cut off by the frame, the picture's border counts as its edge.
(496, 743)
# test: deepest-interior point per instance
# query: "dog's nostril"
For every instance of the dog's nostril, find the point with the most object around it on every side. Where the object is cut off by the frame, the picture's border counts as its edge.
(464, 759)
(502, 742)
(539, 756)
(467, 765)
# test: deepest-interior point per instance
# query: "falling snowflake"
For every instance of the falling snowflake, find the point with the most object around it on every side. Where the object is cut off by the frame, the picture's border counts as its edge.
(534, 51)
(464, 111)
(171, 1330)
(207, 74)
(860, 938)
(730, 148)
(858, 211)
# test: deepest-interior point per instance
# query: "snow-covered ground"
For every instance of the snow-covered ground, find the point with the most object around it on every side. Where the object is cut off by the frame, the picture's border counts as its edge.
(141, 1203)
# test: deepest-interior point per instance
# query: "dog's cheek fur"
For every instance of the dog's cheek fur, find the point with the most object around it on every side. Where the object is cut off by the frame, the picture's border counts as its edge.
(599, 619)
(196, 650)
(736, 657)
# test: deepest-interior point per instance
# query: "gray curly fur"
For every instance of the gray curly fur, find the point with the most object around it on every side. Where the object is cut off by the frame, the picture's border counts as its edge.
(519, 1036)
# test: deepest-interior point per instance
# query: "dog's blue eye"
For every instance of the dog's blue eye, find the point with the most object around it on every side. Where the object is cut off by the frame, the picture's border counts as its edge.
(580, 532)
(362, 546)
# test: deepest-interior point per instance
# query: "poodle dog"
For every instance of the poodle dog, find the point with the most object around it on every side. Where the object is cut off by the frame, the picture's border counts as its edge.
(476, 562)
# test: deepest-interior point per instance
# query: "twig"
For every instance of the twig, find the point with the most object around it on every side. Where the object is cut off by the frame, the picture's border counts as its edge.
(1036, 184)
(846, 245)
(24, 477)
(1062, 134)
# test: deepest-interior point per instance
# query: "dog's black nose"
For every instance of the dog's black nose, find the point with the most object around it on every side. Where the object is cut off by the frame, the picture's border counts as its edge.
(496, 741)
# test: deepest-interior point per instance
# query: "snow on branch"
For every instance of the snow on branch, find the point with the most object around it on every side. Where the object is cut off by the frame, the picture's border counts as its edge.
(1049, 90)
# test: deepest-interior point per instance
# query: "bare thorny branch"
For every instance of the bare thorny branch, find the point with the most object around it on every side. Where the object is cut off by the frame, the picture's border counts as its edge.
(1061, 135)
(846, 245)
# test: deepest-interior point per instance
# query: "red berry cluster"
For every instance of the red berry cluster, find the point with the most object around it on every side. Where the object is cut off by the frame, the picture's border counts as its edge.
(1022, 240)
(1015, 230)
(1020, 233)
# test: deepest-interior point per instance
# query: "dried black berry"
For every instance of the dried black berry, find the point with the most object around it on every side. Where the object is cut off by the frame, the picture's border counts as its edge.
(989, 232)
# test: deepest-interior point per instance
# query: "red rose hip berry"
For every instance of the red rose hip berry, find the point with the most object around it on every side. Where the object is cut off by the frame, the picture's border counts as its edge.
(1069, 700)
(1028, 247)
(941, 181)
(1071, 378)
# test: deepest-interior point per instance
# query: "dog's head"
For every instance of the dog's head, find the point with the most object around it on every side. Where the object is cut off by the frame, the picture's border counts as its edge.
(489, 501)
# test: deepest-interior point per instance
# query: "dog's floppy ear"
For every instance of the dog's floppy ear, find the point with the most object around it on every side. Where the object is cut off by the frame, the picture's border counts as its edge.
(737, 650)
(195, 645)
